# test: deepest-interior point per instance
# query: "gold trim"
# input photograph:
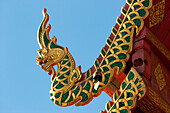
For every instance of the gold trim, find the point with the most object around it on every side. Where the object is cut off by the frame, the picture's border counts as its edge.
(160, 77)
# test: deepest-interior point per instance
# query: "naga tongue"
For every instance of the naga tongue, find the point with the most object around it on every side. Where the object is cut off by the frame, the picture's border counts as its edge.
(50, 72)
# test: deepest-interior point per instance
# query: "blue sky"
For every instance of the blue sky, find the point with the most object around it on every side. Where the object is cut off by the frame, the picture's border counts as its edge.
(81, 25)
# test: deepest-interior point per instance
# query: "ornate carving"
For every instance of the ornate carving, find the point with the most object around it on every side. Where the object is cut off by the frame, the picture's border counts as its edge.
(69, 84)
(160, 77)
(156, 13)
(131, 90)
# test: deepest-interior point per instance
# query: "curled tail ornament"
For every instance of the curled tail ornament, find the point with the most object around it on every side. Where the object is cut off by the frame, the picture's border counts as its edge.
(71, 86)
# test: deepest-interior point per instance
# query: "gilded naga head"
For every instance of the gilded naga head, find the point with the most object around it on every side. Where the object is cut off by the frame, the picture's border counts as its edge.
(50, 53)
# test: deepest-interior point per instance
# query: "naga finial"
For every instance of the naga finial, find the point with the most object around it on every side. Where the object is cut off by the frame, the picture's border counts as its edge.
(71, 86)
(50, 52)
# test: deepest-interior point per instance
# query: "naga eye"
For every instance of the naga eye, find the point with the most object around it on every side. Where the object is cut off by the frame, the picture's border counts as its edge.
(43, 53)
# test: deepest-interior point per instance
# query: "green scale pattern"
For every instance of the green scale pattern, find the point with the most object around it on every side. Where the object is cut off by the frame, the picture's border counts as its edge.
(121, 46)
(128, 94)
(114, 58)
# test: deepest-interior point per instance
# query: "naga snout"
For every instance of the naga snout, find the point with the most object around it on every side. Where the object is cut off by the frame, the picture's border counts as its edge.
(45, 63)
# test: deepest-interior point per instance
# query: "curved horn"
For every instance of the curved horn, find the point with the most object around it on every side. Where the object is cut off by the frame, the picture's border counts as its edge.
(43, 32)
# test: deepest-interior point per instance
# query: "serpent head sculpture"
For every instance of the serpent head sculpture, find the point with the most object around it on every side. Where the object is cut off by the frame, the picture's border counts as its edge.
(71, 86)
